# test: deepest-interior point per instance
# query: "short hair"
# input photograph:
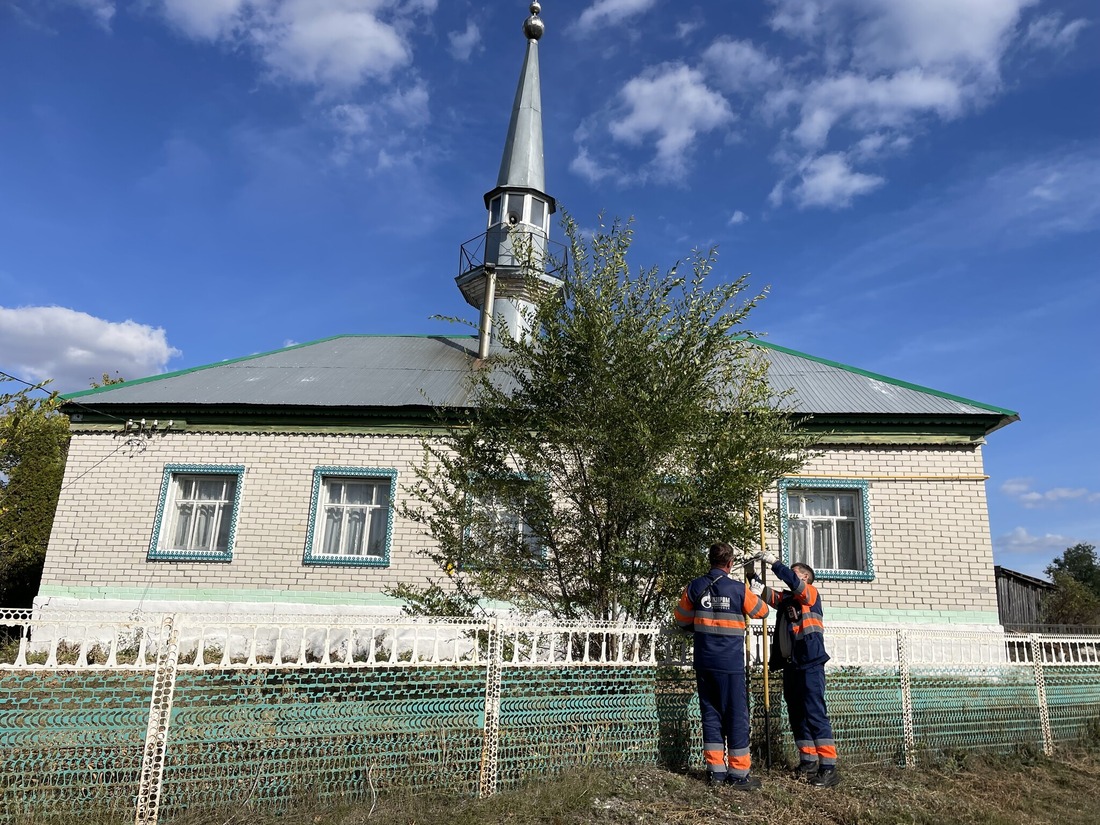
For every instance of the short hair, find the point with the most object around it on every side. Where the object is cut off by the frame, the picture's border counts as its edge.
(800, 566)
(721, 554)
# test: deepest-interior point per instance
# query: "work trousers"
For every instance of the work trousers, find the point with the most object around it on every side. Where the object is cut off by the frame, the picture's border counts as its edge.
(723, 702)
(804, 693)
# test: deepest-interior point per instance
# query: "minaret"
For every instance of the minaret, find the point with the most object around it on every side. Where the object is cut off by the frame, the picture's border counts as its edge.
(495, 268)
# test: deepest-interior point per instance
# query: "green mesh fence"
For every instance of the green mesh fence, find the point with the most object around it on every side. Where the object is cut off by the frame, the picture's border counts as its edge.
(965, 709)
(70, 741)
(308, 728)
(1073, 699)
(865, 708)
(556, 718)
(278, 737)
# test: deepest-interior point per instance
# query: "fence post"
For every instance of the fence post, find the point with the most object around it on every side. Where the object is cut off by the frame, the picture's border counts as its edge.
(156, 734)
(909, 744)
(487, 785)
(1041, 693)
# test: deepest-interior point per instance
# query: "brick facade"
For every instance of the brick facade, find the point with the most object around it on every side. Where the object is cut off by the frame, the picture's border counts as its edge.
(929, 525)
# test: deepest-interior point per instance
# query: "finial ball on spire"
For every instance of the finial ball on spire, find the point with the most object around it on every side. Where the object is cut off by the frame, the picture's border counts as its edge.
(533, 27)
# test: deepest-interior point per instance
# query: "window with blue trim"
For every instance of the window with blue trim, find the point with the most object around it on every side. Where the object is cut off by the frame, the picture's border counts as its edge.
(351, 516)
(827, 526)
(197, 515)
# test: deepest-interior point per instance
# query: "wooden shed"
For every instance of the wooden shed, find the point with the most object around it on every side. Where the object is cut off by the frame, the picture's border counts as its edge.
(1018, 598)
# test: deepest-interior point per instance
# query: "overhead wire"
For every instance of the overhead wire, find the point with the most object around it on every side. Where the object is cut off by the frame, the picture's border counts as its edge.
(41, 386)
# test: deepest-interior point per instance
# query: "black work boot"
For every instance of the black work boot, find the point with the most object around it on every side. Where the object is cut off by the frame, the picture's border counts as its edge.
(716, 780)
(805, 771)
(743, 783)
(826, 777)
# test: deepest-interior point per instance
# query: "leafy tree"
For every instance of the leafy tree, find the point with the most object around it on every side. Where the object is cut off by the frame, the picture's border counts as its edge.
(1081, 564)
(34, 439)
(1072, 603)
(602, 457)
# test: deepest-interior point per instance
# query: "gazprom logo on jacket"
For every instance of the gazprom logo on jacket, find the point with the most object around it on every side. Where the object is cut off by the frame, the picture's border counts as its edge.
(717, 602)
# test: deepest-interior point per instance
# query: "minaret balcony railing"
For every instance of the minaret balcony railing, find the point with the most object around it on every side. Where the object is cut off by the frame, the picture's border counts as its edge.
(510, 249)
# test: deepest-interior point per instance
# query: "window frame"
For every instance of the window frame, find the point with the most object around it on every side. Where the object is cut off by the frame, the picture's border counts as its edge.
(499, 209)
(537, 554)
(164, 519)
(536, 549)
(320, 474)
(864, 520)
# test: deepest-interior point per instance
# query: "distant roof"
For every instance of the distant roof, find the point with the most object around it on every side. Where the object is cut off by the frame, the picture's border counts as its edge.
(395, 372)
(1004, 573)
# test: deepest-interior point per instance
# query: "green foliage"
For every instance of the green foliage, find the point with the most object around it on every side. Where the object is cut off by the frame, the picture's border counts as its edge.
(602, 456)
(1071, 603)
(1081, 563)
(1076, 601)
(107, 380)
(34, 439)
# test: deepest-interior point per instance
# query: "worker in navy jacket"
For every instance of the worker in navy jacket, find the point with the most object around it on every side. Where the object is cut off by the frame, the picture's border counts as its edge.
(798, 647)
(713, 608)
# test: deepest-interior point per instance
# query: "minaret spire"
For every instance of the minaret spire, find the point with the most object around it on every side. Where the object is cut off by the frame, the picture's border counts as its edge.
(522, 164)
(495, 267)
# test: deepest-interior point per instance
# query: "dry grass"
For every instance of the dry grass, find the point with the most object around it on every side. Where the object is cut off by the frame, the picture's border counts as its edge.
(1025, 788)
(964, 789)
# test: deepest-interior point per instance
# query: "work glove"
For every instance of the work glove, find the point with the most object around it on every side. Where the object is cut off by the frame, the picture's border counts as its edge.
(756, 586)
(769, 557)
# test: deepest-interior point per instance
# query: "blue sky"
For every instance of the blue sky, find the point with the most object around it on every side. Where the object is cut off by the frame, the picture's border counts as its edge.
(185, 181)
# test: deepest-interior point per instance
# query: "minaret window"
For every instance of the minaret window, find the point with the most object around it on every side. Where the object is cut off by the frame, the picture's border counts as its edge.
(514, 212)
(538, 214)
(494, 210)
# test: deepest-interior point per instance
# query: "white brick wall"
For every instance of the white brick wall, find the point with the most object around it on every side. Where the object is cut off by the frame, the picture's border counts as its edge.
(930, 536)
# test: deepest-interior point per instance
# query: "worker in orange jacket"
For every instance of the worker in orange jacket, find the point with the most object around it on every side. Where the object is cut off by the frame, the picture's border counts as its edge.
(713, 608)
(798, 648)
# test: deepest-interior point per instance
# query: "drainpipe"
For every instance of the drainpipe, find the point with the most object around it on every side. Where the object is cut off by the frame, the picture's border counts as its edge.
(485, 330)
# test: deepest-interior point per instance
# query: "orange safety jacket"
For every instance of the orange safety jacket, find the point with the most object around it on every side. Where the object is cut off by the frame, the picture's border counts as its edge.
(713, 608)
(799, 639)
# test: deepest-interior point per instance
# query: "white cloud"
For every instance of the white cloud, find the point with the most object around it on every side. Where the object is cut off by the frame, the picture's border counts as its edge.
(1021, 490)
(103, 11)
(463, 43)
(687, 29)
(1047, 32)
(330, 43)
(1033, 553)
(1046, 197)
(874, 103)
(870, 75)
(800, 18)
(73, 347)
(604, 12)
(738, 65)
(378, 127)
(738, 217)
(671, 104)
(208, 19)
(587, 168)
(964, 37)
(829, 181)
(334, 45)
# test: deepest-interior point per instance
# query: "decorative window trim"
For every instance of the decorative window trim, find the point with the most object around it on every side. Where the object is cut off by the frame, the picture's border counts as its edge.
(170, 471)
(786, 484)
(319, 475)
